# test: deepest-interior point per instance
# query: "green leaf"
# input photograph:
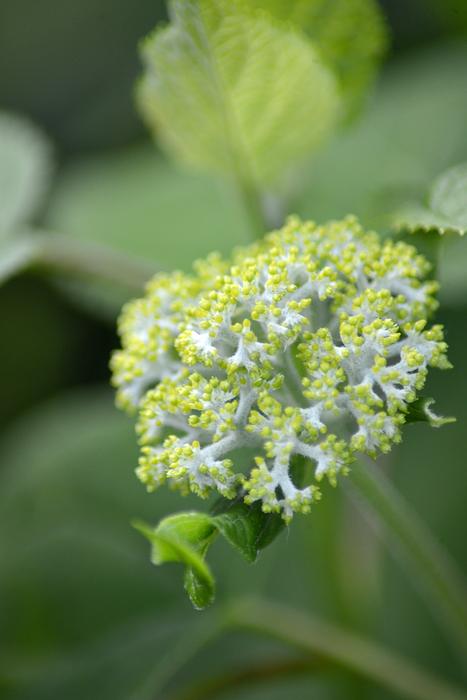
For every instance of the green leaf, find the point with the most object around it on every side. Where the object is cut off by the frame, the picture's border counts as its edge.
(350, 34)
(16, 253)
(413, 130)
(247, 528)
(446, 207)
(230, 89)
(25, 171)
(419, 411)
(135, 203)
(186, 537)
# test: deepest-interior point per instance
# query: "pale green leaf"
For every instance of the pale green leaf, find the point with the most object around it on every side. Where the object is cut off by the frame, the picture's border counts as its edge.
(25, 170)
(16, 253)
(350, 35)
(233, 90)
(136, 204)
(446, 208)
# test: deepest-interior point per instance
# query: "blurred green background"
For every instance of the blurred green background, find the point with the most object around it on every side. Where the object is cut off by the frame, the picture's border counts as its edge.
(83, 614)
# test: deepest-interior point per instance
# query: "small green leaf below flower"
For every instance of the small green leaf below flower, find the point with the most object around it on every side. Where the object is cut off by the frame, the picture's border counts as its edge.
(186, 537)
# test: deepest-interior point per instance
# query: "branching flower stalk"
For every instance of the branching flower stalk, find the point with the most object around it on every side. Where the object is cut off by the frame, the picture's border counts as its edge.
(306, 349)
(311, 343)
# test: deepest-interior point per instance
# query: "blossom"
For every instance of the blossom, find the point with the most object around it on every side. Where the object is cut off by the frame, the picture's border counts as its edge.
(304, 349)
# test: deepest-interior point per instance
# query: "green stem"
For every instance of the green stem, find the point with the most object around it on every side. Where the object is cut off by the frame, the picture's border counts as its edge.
(63, 254)
(261, 672)
(434, 571)
(345, 649)
(253, 207)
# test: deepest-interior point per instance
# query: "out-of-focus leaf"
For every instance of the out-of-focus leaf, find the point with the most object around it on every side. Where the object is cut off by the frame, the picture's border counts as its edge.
(232, 90)
(25, 170)
(414, 130)
(350, 35)
(446, 208)
(16, 253)
(71, 67)
(186, 537)
(81, 612)
(135, 203)
(420, 411)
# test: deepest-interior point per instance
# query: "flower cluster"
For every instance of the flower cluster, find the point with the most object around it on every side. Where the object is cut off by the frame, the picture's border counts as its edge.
(303, 349)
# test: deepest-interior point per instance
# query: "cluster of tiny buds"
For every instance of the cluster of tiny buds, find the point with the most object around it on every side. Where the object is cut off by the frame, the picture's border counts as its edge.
(261, 375)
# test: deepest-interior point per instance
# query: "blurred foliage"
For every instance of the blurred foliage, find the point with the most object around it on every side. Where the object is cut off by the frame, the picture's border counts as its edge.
(334, 27)
(25, 167)
(213, 70)
(83, 614)
(71, 66)
(88, 596)
(137, 203)
(445, 209)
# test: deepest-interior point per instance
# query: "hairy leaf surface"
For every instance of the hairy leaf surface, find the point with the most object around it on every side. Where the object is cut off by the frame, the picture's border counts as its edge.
(350, 35)
(233, 90)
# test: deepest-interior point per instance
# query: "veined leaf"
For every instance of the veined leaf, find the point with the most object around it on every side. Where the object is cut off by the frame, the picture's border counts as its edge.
(25, 168)
(186, 537)
(446, 209)
(350, 35)
(233, 90)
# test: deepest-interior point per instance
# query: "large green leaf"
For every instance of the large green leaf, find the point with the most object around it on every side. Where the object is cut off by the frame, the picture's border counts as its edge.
(25, 170)
(135, 203)
(232, 90)
(350, 35)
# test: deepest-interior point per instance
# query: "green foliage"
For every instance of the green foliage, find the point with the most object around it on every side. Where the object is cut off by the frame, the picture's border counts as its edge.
(25, 170)
(399, 145)
(25, 175)
(445, 210)
(186, 537)
(136, 204)
(231, 90)
(335, 27)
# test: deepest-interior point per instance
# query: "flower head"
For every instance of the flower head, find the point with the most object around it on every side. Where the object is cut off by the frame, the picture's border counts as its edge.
(308, 345)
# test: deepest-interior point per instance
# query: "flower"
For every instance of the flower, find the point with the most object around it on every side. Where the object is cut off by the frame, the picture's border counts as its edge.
(306, 347)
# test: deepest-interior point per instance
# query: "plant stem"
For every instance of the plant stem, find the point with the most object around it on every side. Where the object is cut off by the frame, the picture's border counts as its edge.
(252, 205)
(64, 254)
(435, 572)
(266, 671)
(343, 648)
